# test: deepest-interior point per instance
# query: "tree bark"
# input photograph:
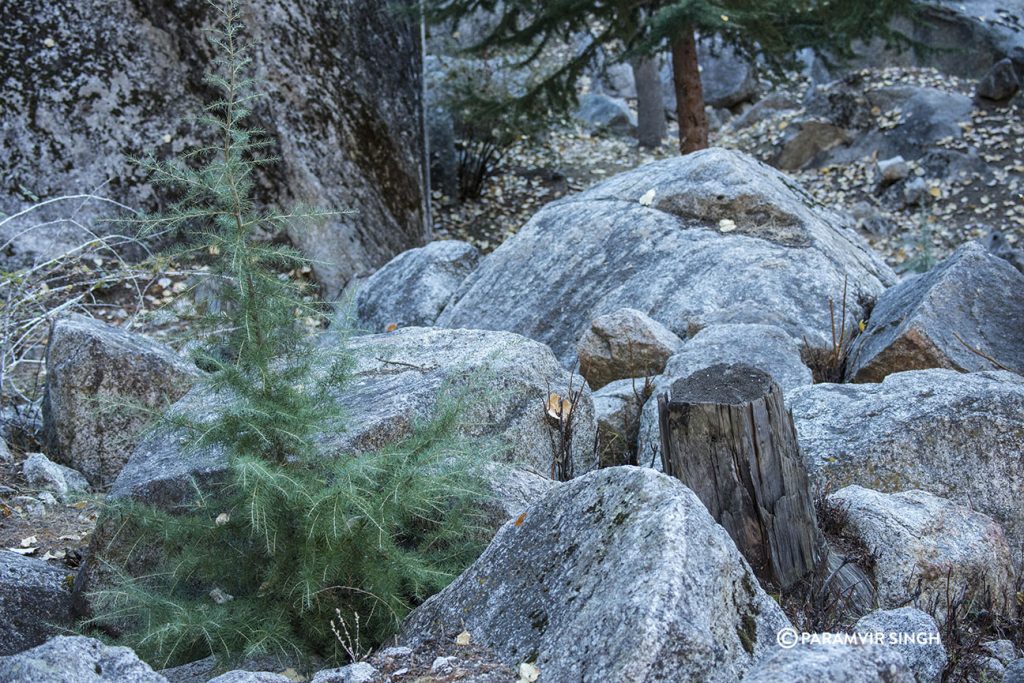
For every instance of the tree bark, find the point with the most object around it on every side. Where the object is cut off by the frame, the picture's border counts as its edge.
(727, 435)
(693, 122)
(651, 125)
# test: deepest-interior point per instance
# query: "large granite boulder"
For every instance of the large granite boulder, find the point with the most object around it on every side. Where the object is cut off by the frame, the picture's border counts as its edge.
(42, 473)
(76, 659)
(925, 547)
(101, 381)
(959, 436)
(397, 379)
(622, 344)
(960, 37)
(35, 602)
(832, 661)
(414, 287)
(619, 575)
(100, 81)
(602, 113)
(916, 637)
(1000, 83)
(710, 237)
(963, 312)
(764, 347)
(841, 122)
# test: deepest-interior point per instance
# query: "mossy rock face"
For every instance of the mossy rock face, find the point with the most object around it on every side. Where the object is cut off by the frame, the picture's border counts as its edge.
(955, 435)
(99, 82)
(618, 575)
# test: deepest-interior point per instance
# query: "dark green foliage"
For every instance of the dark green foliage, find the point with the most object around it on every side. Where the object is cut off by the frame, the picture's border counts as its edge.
(371, 536)
(260, 563)
(481, 96)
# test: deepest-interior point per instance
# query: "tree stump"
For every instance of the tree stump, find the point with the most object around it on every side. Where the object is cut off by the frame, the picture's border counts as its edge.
(727, 435)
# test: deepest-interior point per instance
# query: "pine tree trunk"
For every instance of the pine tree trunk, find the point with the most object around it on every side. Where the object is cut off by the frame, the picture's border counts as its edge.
(727, 435)
(651, 128)
(693, 122)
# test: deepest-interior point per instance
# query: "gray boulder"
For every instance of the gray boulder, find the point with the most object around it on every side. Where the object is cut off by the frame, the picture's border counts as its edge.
(360, 672)
(42, 473)
(926, 115)
(76, 659)
(616, 80)
(771, 105)
(250, 677)
(1014, 672)
(841, 123)
(561, 588)
(1000, 83)
(893, 170)
(710, 237)
(829, 661)
(617, 409)
(972, 300)
(991, 29)
(916, 637)
(603, 113)
(808, 143)
(764, 347)
(101, 81)
(99, 381)
(923, 544)
(413, 289)
(397, 379)
(35, 602)
(991, 662)
(954, 435)
(727, 77)
(255, 669)
(624, 344)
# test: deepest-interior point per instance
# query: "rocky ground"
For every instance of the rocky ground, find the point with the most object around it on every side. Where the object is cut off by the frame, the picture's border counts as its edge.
(964, 206)
(903, 397)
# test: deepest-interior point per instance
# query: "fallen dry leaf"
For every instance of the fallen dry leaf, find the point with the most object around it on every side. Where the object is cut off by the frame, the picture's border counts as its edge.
(558, 407)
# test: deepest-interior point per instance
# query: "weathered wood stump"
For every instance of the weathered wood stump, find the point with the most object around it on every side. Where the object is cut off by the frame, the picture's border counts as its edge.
(727, 435)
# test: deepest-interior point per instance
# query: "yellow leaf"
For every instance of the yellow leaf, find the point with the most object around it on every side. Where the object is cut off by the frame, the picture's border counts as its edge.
(520, 519)
(463, 638)
(935, 192)
(725, 17)
(391, 328)
(862, 325)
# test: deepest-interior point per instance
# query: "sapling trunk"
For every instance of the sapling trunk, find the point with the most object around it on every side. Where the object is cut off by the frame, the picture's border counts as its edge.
(693, 122)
